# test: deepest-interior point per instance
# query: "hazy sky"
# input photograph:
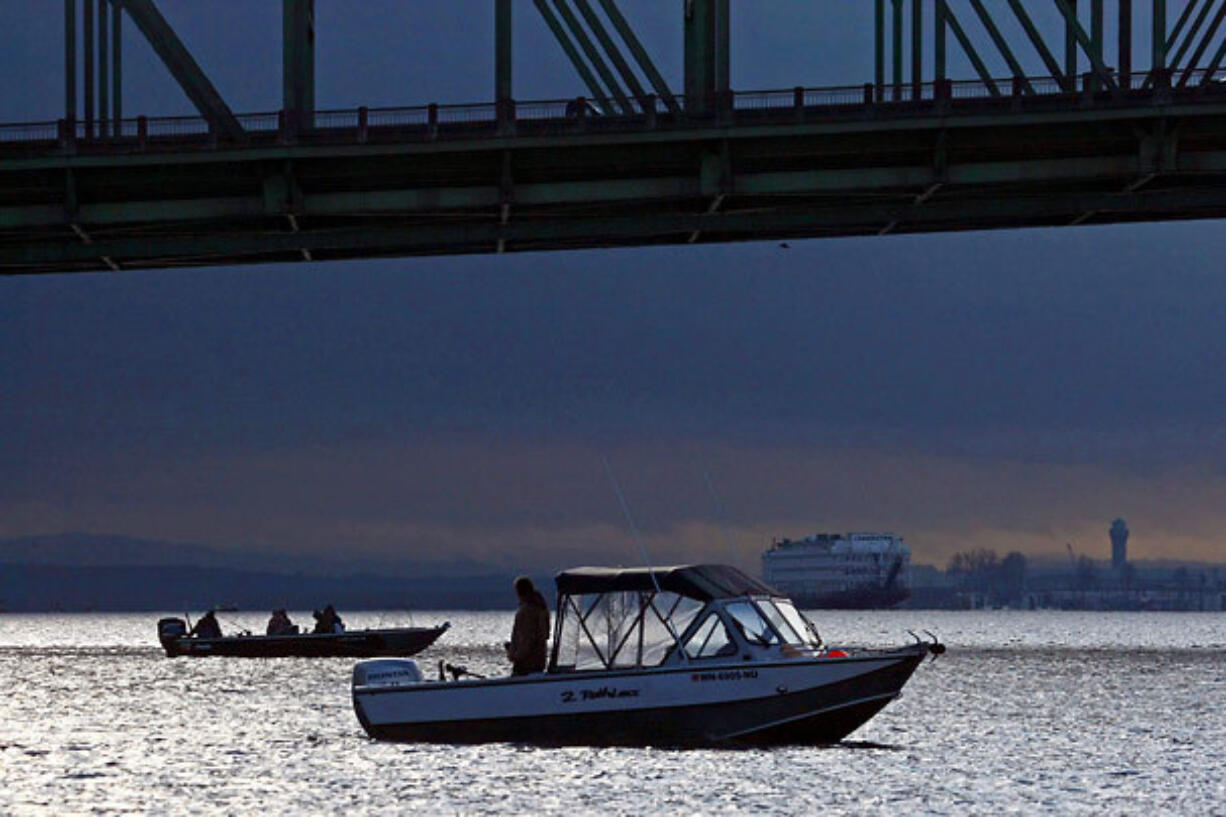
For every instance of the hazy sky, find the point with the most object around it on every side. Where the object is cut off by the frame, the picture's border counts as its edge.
(1009, 390)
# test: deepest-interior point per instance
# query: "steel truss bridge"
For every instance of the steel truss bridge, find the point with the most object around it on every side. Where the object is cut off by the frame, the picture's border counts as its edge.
(1088, 138)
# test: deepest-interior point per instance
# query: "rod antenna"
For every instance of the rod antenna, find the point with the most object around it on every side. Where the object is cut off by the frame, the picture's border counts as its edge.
(638, 538)
(719, 514)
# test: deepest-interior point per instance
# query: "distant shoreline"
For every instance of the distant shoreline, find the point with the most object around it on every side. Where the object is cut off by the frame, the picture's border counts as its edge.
(38, 588)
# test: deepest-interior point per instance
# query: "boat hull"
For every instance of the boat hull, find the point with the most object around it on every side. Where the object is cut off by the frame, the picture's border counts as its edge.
(403, 641)
(804, 701)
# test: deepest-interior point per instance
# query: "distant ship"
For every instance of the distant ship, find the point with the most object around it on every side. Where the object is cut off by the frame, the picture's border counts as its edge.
(848, 571)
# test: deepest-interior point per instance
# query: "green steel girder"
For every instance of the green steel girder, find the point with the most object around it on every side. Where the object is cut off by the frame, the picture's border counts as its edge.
(610, 48)
(1036, 40)
(572, 53)
(952, 120)
(298, 60)
(983, 164)
(1158, 47)
(87, 43)
(1070, 115)
(640, 54)
(117, 67)
(1191, 35)
(593, 55)
(103, 90)
(1214, 64)
(1155, 154)
(1078, 33)
(879, 49)
(1202, 46)
(896, 41)
(70, 60)
(1124, 41)
(946, 19)
(706, 57)
(178, 60)
(1002, 45)
(596, 231)
(917, 49)
(502, 51)
(1188, 8)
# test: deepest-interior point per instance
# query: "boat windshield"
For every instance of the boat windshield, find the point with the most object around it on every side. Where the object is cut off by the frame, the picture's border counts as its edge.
(752, 625)
(793, 620)
(619, 629)
(710, 639)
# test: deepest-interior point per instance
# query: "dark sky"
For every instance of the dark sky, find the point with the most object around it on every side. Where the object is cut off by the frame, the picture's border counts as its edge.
(1009, 389)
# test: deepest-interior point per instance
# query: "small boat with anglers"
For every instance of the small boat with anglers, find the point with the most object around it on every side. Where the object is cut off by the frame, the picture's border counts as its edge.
(671, 656)
(332, 641)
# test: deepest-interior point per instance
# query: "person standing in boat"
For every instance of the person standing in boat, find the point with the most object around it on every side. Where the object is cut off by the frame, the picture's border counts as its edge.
(527, 648)
(207, 626)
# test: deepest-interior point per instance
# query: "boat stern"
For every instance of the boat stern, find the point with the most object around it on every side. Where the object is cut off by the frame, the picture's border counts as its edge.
(380, 673)
(170, 630)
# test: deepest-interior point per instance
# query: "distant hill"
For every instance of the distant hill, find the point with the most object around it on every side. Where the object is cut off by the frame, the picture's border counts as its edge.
(82, 572)
(100, 550)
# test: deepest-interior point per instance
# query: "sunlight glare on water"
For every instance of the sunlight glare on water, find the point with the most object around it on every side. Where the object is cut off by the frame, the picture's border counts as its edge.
(1028, 713)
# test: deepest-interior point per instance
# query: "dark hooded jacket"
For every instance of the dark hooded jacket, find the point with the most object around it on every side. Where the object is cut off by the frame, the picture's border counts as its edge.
(529, 636)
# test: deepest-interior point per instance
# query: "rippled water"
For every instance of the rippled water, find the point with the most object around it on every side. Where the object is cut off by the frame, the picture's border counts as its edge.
(1033, 713)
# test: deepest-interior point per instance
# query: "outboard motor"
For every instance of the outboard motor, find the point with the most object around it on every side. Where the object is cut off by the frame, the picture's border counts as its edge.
(386, 672)
(169, 631)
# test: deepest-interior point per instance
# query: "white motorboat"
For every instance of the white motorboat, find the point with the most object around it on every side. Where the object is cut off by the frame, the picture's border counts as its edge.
(673, 656)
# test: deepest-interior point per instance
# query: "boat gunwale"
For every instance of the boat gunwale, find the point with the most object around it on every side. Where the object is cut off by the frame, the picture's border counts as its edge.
(903, 652)
(294, 637)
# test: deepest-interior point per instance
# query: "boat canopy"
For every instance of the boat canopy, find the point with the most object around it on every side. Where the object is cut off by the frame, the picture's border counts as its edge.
(699, 582)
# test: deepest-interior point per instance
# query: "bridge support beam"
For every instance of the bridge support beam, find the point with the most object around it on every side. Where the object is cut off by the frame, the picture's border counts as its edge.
(87, 40)
(117, 68)
(572, 53)
(707, 64)
(70, 62)
(1159, 35)
(640, 54)
(178, 60)
(503, 51)
(298, 61)
(104, 100)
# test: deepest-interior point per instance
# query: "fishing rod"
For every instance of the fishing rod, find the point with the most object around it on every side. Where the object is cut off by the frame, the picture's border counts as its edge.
(638, 538)
(719, 515)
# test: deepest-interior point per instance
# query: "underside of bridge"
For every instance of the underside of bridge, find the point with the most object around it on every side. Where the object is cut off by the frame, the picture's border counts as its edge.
(632, 164)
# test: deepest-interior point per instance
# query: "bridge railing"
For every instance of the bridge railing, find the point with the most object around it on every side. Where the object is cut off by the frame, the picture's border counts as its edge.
(433, 122)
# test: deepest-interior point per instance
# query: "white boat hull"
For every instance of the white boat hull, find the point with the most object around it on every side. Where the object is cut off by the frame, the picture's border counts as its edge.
(799, 700)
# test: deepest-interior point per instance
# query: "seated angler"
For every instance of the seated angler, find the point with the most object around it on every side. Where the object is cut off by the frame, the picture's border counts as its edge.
(280, 624)
(207, 626)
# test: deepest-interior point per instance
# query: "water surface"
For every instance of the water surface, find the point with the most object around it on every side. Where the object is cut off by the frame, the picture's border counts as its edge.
(1028, 713)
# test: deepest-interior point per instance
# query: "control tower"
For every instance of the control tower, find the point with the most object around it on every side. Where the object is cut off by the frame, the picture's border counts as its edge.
(1119, 544)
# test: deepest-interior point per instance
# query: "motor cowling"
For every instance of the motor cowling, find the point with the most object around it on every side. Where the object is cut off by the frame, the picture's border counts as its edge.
(386, 672)
(170, 629)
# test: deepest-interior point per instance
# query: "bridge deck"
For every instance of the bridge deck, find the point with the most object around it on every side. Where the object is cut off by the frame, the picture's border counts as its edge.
(777, 165)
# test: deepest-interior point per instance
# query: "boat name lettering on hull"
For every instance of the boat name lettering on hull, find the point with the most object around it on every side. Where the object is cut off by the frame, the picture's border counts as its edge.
(570, 696)
(727, 675)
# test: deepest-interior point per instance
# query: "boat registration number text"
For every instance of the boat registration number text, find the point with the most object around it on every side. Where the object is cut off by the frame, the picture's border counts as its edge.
(726, 675)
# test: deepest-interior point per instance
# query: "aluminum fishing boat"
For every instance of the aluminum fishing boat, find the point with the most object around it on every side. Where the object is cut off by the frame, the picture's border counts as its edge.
(400, 641)
(673, 656)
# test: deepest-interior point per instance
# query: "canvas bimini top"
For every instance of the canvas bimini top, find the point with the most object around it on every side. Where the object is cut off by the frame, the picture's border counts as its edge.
(701, 582)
